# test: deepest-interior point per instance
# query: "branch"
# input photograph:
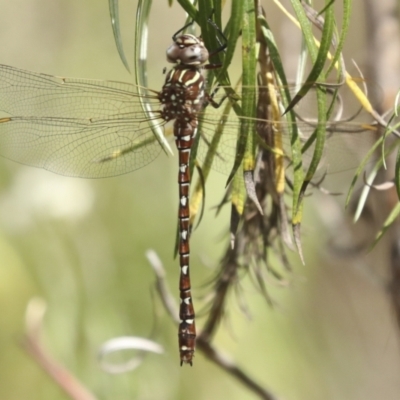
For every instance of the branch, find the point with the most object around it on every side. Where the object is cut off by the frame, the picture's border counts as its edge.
(34, 347)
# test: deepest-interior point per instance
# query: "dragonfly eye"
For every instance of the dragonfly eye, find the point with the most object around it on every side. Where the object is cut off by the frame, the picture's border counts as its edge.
(195, 55)
(187, 50)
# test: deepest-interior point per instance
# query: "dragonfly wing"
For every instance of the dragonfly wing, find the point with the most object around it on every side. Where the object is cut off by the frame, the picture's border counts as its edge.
(346, 143)
(78, 147)
(28, 93)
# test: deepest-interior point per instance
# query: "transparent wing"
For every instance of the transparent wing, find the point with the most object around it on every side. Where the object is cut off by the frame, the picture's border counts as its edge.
(78, 147)
(74, 127)
(94, 129)
(33, 94)
(346, 144)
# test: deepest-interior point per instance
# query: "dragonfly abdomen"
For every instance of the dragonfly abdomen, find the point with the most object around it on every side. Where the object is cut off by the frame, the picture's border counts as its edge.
(187, 330)
(182, 97)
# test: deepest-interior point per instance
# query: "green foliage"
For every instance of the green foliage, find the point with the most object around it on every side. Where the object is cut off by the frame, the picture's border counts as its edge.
(91, 268)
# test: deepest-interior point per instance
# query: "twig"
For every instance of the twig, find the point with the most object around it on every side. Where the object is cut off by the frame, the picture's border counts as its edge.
(32, 344)
(231, 368)
(161, 285)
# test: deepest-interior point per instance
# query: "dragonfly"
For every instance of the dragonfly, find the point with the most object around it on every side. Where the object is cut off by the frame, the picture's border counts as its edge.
(93, 129)
(96, 129)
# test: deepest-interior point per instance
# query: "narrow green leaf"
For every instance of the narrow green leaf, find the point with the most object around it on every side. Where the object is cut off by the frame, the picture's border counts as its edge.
(301, 65)
(209, 32)
(320, 135)
(361, 167)
(190, 9)
(245, 150)
(345, 23)
(305, 27)
(249, 61)
(213, 40)
(371, 177)
(318, 57)
(238, 195)
(393, 216)
(141, 29)
(114, 14)
(397, 173)
(364, 194)
(233, 34)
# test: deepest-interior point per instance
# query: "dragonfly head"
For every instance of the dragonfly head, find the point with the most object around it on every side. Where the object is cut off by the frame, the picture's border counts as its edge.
(187, 50)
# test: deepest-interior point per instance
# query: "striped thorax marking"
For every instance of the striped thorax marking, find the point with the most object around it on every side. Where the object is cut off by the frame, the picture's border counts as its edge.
(193, 80)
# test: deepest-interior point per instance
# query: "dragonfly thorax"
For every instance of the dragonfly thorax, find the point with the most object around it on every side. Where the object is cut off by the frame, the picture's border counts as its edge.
(187, 50)
(182, 95)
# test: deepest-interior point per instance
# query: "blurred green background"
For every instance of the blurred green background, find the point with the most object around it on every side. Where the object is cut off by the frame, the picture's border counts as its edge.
(80, 245)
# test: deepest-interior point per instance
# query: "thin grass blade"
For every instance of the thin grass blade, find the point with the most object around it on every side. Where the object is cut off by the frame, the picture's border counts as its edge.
(318, 55)
(115, 23)
(141, 41)
(393, 216)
